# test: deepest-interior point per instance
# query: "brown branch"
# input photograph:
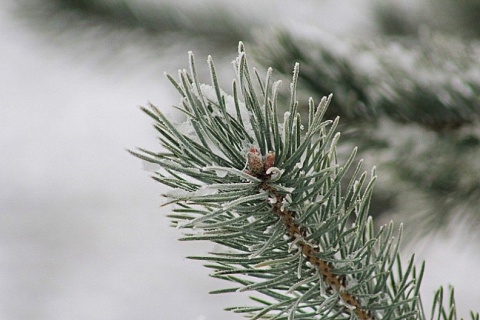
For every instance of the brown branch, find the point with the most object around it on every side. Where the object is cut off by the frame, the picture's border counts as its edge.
(259, 167)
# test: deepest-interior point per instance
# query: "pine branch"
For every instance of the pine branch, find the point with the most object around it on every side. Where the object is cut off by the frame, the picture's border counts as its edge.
(416, 120)
(403, 80)
(451, 17)
(270, 192)
(159, 22)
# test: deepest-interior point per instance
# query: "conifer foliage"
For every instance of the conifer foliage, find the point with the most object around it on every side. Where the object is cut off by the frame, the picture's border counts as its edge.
(293, 225)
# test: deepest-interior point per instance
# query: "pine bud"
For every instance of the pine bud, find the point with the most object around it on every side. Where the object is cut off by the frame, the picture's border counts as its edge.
(269, 160)
(255, 162)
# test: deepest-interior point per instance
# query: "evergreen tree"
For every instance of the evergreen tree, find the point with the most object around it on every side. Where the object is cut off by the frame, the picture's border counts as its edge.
(274, 195)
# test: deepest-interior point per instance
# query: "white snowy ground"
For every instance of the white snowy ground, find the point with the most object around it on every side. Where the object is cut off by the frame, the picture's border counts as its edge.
(81, 233)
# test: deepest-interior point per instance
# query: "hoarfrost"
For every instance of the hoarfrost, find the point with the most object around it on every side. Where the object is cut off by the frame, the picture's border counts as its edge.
(286, 117)
(179, 193)
(210, 95)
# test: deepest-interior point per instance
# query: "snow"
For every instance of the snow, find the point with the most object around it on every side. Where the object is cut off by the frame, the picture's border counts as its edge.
(186, 128)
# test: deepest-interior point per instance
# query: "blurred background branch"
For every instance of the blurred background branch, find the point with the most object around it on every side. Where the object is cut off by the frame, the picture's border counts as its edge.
(162, 20)
(139, 33)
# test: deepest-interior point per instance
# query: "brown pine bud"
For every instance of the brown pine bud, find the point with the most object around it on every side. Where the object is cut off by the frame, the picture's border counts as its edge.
(254, 161)
(269, 160)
